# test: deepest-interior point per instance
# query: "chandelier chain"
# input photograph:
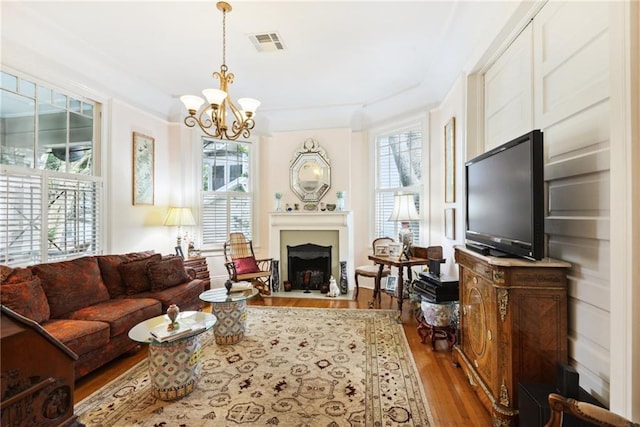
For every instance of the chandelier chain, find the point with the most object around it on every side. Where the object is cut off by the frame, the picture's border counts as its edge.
(224, 37)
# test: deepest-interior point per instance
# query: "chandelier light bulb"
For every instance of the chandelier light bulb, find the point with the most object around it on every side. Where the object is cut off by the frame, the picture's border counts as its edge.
(214, 96)
(249, 105)
(192, 103)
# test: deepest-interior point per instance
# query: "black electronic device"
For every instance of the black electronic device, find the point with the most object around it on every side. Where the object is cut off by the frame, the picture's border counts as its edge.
(436, 289)
(567, 379)
(505, 199)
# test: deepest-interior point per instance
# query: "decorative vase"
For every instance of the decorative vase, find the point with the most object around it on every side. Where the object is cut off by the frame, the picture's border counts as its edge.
(287, 286)
(340, 200)
(344, 284)
(172, 313)
(324, 288)
(275, 275)
(278, 202)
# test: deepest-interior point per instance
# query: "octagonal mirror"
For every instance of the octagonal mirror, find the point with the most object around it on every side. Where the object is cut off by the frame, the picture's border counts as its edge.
(310, 172)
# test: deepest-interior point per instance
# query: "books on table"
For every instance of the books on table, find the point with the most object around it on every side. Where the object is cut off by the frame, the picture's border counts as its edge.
(161, 334)
(241, 286)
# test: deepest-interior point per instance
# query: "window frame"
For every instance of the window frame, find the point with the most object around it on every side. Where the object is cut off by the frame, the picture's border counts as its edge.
(71, 186)
(250, 195)
(414, 123)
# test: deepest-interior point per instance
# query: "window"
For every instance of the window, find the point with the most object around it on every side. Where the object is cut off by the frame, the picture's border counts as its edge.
(227, 194)
(49, 194)
(398, 167)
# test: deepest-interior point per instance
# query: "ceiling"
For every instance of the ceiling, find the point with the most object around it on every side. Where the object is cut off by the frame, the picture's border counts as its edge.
(344, 64)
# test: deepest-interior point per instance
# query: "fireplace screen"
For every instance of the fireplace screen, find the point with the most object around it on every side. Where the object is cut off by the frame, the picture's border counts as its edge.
(309, 266)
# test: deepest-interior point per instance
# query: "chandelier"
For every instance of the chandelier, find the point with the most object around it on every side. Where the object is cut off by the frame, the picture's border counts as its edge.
(212, 118)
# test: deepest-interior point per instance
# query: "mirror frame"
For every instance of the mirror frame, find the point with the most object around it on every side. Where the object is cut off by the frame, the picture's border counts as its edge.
(310, 153)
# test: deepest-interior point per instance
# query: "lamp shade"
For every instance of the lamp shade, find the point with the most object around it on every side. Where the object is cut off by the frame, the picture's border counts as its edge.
(404, 208)
(179, 217)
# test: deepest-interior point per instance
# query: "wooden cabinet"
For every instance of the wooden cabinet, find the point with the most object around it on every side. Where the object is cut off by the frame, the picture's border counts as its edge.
(37, 375)
(513, 326)
(199, 264)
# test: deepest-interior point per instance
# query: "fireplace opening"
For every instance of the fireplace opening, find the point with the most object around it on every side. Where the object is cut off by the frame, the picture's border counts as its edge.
(309, 266)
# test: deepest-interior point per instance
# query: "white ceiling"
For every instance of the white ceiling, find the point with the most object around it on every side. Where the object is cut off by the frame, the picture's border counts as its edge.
(344, 63)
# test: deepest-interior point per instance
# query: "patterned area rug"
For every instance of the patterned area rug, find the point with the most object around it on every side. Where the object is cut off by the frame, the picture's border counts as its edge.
(295, 367)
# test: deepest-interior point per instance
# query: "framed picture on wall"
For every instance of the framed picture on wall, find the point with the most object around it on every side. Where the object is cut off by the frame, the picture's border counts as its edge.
(143, 169)
(450, 161)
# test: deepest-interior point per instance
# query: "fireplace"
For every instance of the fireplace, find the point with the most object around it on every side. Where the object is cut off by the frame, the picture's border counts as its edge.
(309, 266)
(321, 228)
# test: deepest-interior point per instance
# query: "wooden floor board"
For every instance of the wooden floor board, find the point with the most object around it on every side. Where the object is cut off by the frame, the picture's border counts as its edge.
(453, 402)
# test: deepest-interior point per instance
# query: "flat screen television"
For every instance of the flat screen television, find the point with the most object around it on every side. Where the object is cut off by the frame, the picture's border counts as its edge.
(505, 199)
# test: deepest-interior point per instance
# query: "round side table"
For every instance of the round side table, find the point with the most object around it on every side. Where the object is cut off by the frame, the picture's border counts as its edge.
(174, 366)
(231, 311)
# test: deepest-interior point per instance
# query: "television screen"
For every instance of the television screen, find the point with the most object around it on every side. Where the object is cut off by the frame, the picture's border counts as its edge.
(505, 199)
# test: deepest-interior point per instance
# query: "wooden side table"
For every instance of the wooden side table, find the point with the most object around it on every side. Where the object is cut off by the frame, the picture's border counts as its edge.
(199, 264)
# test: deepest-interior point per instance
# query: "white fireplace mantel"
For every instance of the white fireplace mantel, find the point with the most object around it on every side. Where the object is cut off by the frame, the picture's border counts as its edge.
(342, 222)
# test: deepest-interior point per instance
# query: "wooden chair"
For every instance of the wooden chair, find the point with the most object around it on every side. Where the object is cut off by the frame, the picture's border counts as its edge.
(242, 265)
(585, 411)
(371, 270)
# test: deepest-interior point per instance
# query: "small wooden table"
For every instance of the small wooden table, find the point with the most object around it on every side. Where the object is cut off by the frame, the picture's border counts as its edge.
(400, 264)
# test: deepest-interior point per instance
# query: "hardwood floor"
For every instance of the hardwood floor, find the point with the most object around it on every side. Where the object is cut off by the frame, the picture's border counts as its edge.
(452, 401)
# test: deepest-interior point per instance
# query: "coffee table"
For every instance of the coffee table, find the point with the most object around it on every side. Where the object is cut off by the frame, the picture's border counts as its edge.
(174, 366)
(231, 311)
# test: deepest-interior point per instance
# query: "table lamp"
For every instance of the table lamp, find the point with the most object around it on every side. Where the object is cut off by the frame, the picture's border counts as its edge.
(404, 210)
(177, 217)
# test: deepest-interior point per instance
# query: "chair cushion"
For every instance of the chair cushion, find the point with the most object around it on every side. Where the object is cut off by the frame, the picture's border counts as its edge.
(134, 274)
(70, 285)
(371, 270)
(26, 298)
(246, 265)
(166, 273)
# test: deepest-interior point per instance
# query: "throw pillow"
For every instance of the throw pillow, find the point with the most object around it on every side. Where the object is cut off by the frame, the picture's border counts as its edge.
(166, 273)
(111, 275)
(134, 274)
(246, 265)
(26, 298)
(71, 285)
(14, 275)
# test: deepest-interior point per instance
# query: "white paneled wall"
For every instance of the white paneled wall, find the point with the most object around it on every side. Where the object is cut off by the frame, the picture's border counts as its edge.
(571, 80)
(555, 77)
(509, 93)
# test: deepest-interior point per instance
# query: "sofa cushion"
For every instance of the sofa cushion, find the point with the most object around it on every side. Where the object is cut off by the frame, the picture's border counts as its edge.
(26, 298)
(80, 336)
(246, 265)
(134, 274)
(185, 296)
(166, 273)
(70, 285)
(121, 314)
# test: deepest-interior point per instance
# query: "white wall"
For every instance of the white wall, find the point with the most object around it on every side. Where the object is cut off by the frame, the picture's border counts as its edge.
(452, 106)
(134, 228)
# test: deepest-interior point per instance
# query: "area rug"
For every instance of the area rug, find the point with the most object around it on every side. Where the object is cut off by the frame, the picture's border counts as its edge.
(295, 367)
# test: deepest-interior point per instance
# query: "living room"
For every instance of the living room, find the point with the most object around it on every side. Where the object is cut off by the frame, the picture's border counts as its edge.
(590, 131)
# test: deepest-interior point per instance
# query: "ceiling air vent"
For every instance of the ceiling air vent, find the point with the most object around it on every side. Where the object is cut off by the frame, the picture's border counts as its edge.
(267, 42)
